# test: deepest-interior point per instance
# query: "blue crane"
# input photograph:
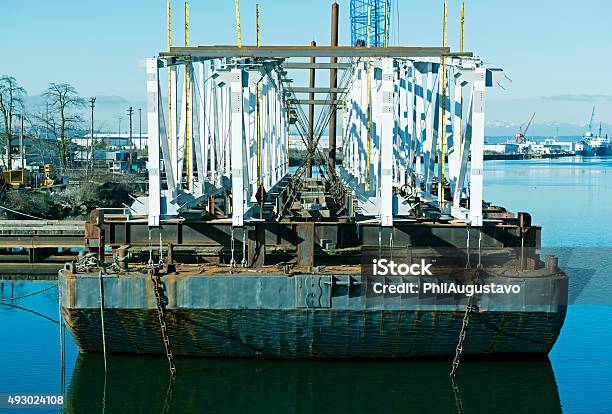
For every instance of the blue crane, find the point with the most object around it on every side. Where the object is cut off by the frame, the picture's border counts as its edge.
(371, 17)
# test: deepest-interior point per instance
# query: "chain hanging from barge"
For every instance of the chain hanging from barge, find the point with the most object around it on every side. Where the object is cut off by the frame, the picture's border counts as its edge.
(157, 283)
(470, 306)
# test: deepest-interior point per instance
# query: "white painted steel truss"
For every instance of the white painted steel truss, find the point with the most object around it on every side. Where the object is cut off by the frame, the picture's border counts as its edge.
(393, 145)
(392, 135)
(209, 142)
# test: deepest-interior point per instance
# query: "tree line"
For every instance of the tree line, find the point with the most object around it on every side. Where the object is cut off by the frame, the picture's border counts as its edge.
(58, 117)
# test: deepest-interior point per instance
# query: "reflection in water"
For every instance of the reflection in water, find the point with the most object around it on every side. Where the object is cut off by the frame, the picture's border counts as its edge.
(142, 385)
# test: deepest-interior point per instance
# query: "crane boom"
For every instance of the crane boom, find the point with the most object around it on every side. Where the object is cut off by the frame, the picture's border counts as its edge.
(520, 136)
(592, 119)
(529, 124)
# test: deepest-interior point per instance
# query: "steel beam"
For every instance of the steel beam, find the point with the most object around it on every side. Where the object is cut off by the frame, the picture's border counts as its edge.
(333, 84)
(237, 149)
(386, 145)
(308, 65)
(208, 52)
(153, 122)
(477, 149)
(314, 102)
(300, 89)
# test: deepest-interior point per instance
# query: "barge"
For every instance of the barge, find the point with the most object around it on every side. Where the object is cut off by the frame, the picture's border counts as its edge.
(232, 254)
(319, 308)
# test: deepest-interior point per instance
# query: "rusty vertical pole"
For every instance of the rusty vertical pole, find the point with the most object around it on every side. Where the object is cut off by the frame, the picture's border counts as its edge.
(333, 84)
(311, 116)
(101, 246)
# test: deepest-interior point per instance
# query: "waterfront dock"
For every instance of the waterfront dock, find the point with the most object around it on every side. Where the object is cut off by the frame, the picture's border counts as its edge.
(38, 248)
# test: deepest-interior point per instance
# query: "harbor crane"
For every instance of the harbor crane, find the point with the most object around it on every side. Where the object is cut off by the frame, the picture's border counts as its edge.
(520, 136)
(370, 22)
(591, 120)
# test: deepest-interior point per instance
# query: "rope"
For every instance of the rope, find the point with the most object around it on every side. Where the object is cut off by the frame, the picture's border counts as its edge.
(29, 310)
(23, 214)
(161, 250)
(479, 249)
(28, 295)
(150, 263)
(62, 347)
(467, 247)
(232, 261)
(243, 263)
(379, 243)
(101, 286)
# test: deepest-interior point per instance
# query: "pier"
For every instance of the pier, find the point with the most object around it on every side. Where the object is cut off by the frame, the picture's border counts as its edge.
(38, 248)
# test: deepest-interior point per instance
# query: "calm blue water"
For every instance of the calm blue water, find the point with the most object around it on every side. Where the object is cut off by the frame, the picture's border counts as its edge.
(570, 198)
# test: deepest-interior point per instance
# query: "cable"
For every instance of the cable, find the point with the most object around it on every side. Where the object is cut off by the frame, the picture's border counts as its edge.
(31, 311)
(28, 295)
(23, 214)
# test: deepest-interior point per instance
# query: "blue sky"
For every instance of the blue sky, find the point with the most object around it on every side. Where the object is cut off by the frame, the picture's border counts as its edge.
(555, 52)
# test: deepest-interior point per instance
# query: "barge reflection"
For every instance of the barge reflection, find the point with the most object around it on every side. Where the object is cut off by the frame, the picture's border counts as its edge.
(142, 385)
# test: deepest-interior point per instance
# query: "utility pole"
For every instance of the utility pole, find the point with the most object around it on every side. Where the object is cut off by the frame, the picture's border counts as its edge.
(10, 132)
(130, 113)
(92, 103)
(140, 127)
(21, 152)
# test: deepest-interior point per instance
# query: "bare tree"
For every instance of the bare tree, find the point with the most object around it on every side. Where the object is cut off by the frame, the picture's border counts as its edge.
(63, 100)
(11, 101)
(46, 152)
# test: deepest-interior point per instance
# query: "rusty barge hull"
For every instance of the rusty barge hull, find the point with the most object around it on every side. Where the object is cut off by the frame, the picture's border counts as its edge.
(303, 316)
(302, 293)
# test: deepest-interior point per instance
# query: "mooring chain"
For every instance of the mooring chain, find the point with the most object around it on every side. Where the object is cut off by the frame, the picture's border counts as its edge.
(156, 279)
(469, 308)
(166, 408)
(457, 395)
(462, 334)
(87, 262)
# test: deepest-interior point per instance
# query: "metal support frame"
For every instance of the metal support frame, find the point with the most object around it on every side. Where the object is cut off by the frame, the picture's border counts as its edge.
(219, 125)
(217, 52)
(239, 172)
(406, 123)
(391, 120)
(386, 144)
(153, 104)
